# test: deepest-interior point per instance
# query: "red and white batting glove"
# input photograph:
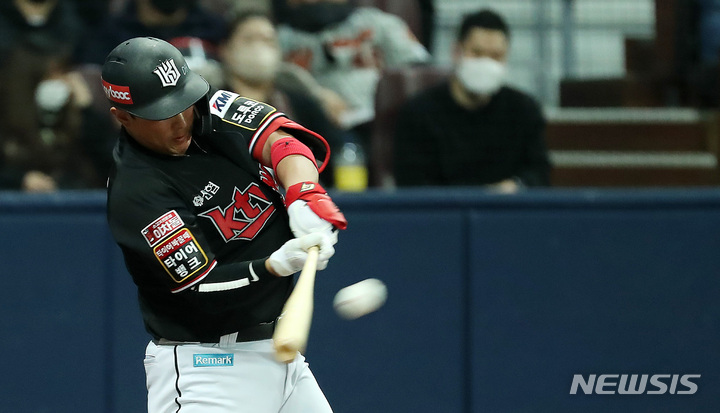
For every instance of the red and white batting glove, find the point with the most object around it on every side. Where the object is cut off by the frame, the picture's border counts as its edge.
(311, 210)
(291, 257)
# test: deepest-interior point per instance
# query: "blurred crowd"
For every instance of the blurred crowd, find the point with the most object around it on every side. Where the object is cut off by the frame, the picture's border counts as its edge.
(319, 61)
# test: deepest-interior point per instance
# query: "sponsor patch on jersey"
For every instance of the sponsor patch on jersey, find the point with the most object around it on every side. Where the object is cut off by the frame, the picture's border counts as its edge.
(241, 111)
(221, 101)
(206, 194)
(213, 360)
(248, 113)
(181, 255)
(157, 230)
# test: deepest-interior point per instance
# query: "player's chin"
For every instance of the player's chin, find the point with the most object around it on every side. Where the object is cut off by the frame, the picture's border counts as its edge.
(180, 145)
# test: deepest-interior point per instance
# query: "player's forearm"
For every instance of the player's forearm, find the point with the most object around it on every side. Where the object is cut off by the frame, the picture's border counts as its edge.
(291, 169)
(294, 169)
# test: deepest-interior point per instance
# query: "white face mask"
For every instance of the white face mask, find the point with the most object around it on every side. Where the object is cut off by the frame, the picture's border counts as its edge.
(482, 75)
(52, 94)
(255, 62)
(37, 20)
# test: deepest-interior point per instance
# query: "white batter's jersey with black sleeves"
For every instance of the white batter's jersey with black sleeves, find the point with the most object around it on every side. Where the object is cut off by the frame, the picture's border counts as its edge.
(195, 230)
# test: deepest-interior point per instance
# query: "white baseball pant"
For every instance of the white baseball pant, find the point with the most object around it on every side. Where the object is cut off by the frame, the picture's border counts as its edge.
(233, 378)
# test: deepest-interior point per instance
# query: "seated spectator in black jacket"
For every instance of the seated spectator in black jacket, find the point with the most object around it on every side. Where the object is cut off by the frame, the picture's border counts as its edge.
(472, 129)
(49, 135)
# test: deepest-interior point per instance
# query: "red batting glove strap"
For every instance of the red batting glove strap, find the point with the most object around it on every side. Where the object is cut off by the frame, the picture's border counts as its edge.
(302, 189)
(318, 201)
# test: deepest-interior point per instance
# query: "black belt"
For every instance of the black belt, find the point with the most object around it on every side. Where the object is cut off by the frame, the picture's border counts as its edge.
(254, 333)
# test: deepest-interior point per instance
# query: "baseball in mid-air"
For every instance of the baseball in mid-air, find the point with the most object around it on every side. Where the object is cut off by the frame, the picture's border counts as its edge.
(361, 298)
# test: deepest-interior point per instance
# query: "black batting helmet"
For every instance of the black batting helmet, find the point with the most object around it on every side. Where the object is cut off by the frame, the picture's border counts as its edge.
(149, 78)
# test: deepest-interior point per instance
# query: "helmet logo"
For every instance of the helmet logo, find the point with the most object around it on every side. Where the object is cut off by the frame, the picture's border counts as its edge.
(168, 73)
(119, 94)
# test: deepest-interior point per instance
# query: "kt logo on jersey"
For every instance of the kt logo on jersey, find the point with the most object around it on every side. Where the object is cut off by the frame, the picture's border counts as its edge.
(244, 217)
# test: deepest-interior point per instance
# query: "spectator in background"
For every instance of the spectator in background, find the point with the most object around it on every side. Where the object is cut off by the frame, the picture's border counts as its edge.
(252, 59)
(233, 8)
(72, 152)
(289, 77)
(709, 30)
(345, 48)
(38, 26)
(472, 129)
(43, 123)
(697, 52)
(163, 19)
(202, 58)
(92, 13)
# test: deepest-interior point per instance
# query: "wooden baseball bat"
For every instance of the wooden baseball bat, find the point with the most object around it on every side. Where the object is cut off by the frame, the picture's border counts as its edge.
(293, 325)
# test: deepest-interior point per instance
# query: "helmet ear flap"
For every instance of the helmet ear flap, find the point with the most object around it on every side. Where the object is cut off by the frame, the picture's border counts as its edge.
(203, 120)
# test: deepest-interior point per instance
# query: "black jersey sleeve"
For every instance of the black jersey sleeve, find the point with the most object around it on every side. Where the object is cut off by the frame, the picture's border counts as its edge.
(258, 120)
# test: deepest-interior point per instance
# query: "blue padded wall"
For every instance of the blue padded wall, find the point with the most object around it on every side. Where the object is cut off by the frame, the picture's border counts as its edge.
(409, 356)
(54, 324)
(593, 291)
(495, 302)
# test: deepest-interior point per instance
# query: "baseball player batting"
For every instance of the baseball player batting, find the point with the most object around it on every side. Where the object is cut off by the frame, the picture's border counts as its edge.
(195, 202)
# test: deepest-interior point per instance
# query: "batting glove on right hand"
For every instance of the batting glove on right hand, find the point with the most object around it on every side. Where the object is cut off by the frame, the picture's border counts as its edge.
(304, 221)
(291, 257)
(310, 209)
